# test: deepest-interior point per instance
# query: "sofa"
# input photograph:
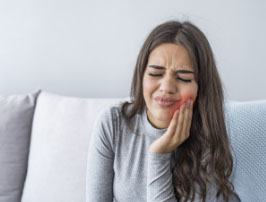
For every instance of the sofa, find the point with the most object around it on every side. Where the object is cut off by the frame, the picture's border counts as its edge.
(44, 139)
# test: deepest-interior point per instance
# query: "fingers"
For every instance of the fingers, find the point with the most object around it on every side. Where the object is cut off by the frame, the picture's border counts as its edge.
(187, 121)
(184, 122)
(179, 127)
(173, 123)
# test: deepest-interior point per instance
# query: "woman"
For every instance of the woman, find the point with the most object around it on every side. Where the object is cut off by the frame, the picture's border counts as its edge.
(169, 143)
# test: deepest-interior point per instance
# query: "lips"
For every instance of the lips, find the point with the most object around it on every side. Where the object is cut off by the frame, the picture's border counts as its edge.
(165, 101)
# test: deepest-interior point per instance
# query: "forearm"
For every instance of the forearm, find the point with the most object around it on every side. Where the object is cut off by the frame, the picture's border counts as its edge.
(159, 178)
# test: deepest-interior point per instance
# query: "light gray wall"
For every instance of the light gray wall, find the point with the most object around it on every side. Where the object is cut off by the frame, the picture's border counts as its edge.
(89, 48)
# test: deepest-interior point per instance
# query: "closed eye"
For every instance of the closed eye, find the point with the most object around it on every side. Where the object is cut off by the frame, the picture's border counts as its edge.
(158, 75)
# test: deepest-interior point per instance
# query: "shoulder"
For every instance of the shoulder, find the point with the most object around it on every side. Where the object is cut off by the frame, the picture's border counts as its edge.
(110, 113)
(109, 118)
(112, 119)
(104, 129)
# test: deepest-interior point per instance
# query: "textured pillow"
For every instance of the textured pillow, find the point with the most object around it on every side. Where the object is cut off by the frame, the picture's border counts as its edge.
(247, 129)
(59, 146)
(16, 112)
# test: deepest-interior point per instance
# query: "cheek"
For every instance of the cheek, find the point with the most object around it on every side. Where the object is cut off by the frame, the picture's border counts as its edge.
(184, 97)
(148, 87)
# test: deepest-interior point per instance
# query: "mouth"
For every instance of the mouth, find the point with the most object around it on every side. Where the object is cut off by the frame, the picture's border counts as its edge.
(164, 103)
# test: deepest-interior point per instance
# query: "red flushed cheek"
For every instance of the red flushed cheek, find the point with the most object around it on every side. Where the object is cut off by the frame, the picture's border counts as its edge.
(179, 103)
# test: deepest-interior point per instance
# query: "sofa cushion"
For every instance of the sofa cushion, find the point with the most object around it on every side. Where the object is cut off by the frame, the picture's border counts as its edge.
(16, 112)
(59, 146)
(246, 123)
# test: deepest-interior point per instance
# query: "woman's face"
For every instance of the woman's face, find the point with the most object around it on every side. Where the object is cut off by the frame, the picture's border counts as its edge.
(162, 79)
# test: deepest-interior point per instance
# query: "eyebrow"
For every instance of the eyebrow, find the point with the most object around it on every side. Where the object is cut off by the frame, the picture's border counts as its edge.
(183, 71)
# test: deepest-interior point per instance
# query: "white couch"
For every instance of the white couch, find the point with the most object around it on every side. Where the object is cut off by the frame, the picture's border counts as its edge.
(44, 140)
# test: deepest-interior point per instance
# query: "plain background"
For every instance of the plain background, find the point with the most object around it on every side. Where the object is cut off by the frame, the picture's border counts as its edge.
(89, 48)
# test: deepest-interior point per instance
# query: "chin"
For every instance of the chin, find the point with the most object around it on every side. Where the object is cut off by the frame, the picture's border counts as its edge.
(163, 115)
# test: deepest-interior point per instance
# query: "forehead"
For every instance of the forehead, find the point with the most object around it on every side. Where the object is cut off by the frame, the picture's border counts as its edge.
(170, 54)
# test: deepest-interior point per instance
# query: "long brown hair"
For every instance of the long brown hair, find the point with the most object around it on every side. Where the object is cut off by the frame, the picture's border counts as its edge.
(206, 155)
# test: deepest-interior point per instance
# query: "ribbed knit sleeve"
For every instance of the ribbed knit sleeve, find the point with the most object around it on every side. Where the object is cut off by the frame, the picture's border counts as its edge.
(99, 179)
(159, 178)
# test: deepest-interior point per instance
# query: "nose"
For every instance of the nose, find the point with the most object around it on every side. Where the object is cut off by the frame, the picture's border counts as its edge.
(168, 85)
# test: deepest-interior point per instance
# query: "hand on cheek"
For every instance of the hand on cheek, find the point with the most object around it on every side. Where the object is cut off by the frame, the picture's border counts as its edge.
(183, 100)
(178, 130)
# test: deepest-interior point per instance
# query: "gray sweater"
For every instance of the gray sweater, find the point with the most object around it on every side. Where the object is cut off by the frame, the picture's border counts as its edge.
(121, 169)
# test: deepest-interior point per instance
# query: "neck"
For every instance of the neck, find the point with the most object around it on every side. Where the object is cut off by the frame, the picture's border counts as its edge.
(156, 123)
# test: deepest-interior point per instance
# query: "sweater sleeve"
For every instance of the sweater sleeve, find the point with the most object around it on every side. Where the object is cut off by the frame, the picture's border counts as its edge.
(99, 174)
(159, 178)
